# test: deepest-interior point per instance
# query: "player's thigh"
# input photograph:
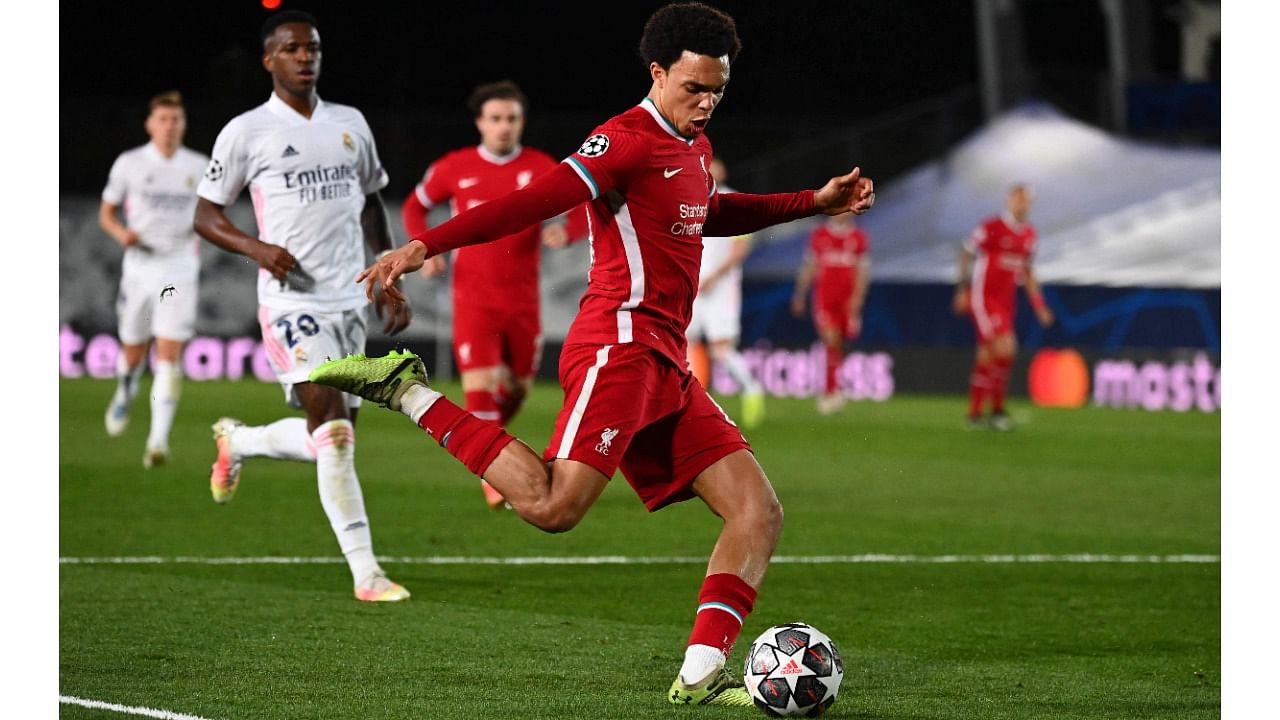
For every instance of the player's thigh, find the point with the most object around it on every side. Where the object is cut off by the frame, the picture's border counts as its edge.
(1004, 345)
(736, 487)
(135, 301)
(477, 339)
(991, 318)
(723, 319)
(298, 341)
(575, 486)
(830, 319)
(522, 344)
(175, 309)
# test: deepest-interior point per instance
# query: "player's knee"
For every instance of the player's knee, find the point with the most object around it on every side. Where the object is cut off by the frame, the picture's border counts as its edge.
(772, 518)
(554, 518)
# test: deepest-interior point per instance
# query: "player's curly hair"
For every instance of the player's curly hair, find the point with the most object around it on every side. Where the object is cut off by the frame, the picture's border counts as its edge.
(690, 26)
(502, 90)
(284, 17)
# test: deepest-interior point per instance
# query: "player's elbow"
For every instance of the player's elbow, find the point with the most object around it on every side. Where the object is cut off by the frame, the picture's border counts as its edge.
(203, 219)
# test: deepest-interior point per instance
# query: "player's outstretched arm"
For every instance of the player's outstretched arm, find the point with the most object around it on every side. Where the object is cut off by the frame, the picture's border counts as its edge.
(552, 194)
(743, 213)
(847, 193)
(212, 224)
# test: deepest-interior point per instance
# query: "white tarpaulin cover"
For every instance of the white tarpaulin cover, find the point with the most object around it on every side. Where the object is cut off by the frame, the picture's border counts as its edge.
(1109, 211)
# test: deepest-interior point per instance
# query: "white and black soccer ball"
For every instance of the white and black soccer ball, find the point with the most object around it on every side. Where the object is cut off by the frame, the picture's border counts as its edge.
(793, 669)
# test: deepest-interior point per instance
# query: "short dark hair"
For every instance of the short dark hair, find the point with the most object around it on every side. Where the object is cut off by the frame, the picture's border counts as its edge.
(690, 26)
(171, 98)
(501, 90)
(285, 17)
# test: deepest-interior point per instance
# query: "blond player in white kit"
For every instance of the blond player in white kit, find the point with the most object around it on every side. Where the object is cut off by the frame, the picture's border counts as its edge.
(313, 173)
(717, 308)
(155, 184)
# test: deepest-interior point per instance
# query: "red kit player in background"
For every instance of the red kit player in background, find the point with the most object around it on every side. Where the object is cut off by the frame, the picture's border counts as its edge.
(840, 271)
(497, 331)
(630, 401)
(993, 262)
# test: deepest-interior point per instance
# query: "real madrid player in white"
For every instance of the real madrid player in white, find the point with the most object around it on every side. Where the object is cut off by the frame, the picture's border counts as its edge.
(155, 184)
(313, 173)
(718, 306)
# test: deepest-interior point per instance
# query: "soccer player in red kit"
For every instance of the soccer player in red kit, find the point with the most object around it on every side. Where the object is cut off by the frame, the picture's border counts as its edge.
(837, 266)
(630, 401)
(497, 333)
(993, 262)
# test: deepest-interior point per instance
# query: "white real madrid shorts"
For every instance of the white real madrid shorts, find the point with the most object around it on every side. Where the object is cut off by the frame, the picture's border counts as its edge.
(158, 298)
(298, 341)
(717, 314)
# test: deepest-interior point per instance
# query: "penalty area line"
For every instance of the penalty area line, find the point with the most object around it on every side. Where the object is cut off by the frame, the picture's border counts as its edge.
(127, 709)
(1086, 558)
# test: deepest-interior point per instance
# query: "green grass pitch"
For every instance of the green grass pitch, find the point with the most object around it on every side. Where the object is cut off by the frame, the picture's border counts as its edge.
(920, 640)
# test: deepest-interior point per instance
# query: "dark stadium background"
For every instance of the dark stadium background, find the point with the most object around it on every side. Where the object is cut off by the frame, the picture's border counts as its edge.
(805, 67)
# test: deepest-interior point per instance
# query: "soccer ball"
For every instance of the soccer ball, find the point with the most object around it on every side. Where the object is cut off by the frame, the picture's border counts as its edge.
(793, 669)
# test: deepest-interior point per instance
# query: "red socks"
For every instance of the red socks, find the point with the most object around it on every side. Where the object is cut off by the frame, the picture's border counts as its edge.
(999, 374)
(483, 405)
(979, 386)
(835, 356)
(475, 442)
(723, 605)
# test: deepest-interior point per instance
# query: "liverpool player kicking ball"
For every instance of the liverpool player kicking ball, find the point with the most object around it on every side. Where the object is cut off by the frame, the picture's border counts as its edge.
(645, 175)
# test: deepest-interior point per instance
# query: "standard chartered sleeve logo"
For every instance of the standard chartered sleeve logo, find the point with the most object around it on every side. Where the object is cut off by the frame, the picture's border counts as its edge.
(215, 171)
(595, 146)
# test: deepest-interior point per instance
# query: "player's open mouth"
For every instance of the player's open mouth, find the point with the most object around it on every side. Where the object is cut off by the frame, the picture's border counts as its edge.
(700, 124)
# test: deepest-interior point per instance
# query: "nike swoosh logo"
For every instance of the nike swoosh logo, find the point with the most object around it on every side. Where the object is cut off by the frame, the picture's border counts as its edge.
(468, 182)
(669, 173)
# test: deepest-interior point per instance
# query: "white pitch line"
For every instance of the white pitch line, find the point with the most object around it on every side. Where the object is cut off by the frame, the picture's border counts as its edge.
(127, 709)
(870, 558)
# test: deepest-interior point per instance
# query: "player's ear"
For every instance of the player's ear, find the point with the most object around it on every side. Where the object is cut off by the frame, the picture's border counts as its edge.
(658, 74)
(267, 60)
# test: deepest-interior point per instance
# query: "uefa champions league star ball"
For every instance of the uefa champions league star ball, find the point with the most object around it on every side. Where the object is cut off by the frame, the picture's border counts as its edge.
(793, 669)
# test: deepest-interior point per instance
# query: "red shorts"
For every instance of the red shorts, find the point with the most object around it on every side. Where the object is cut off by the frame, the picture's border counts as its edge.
(835, 316)
(484, 338)
(629, 407)
(990, 319)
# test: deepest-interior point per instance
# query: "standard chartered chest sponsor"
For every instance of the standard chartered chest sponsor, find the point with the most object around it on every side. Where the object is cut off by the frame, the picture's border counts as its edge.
(320, 183)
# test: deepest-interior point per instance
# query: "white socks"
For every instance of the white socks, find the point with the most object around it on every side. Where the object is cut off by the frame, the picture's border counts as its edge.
(417, 400)
(699, 662)
(126, 382)
(284, 439)
(335, 443)
(739, 371)
(166, 388)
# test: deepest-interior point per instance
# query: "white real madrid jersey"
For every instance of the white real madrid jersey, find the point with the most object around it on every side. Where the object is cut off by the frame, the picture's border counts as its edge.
(308, 179)
(716, 250)
(158, 195)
